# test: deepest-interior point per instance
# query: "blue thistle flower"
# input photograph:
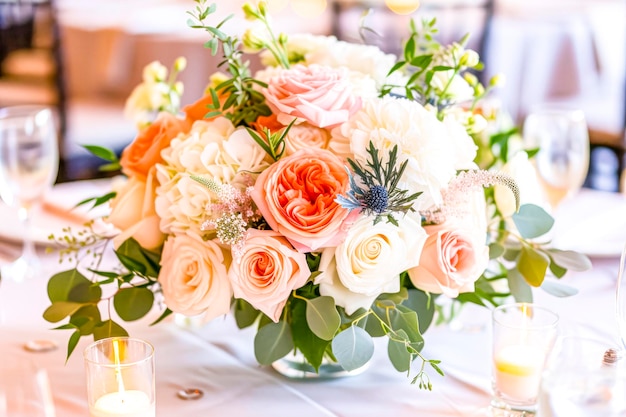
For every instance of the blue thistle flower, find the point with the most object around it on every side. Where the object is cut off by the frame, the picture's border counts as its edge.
(377, 199)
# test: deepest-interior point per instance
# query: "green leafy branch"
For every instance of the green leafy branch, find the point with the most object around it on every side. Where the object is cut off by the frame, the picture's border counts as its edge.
(273, 143)
(243, 103)
(75, 297)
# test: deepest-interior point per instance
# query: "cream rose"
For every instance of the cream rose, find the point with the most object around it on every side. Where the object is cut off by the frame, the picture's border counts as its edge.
(454, 257)
(316, 94)
(268, 270)
(369, 261)
(304, 136)
(296, 196)
(194, 277)
(133, 212)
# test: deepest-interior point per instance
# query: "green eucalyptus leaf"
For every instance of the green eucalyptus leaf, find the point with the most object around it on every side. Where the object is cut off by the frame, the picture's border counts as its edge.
(86, 318)
(272, 342)
(312, 347)
(532, 221)
(322, 317)
(397, 297)
(101, 152)
(85, 292)
(570, 260)
(407, 321)
(495, 250)
(59, 310)
(520, 290)
(424, 305)
(533, 265)
(132, 303)
(557, 270)
(398, 353)
(163, 315)
(108, 328)
(353, 348)
(71, 343)
(60, 285)
(558, 289)
(245, 314)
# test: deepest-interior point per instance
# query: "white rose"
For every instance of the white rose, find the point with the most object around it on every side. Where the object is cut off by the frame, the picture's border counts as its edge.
(194, 278)
(369, 261)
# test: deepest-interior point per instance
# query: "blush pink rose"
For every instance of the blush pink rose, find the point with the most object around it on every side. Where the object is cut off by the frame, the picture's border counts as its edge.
(194, 278)
(296, 196)
(452, 260)
(320, 95)
(268, 270)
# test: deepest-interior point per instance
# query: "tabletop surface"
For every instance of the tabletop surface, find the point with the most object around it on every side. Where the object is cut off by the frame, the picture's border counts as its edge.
(218, 358)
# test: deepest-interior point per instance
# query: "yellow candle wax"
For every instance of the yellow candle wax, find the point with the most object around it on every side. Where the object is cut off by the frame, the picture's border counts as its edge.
(518, 371)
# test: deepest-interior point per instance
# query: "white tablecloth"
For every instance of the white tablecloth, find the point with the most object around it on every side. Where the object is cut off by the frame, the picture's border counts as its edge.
(218, 358)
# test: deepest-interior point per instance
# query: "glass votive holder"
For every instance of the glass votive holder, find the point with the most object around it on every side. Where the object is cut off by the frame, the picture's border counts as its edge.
(585, 377)
(523, 335)
(120, 378)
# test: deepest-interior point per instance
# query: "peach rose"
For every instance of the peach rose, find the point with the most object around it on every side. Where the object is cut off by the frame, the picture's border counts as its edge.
(145, 151)
(132, 211)
(194, 277)
(453, 259)
(269, 269)
(296, 196)
(320, 95)
(305, 135)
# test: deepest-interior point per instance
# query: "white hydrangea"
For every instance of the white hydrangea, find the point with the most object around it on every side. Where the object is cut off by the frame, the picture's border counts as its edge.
(434, 150)
(213, 149)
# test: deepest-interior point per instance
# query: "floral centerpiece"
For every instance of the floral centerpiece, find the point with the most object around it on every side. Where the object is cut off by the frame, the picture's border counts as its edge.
(333, 195)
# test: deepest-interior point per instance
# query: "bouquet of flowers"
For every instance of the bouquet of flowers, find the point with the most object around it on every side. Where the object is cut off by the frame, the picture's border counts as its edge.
(328, 197)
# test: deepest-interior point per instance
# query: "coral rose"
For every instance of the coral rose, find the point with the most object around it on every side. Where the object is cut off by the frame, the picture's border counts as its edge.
(145, 151)
(193, 276)
(296, 196)
(453, 258)
(320, 95)
(132, 211)
(268, 270)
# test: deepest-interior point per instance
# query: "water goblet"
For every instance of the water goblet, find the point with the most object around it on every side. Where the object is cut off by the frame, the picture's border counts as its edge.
(620, 299)
(523, 336)
(562, 138)
(29, 159)
(24, 390)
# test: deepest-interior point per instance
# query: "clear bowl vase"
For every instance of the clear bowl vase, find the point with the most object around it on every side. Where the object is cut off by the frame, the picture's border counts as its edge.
(295, 366)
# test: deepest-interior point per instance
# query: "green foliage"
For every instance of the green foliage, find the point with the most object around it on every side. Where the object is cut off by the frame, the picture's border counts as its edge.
(311, 346)
(532, 221)
(322, 317)
(353, 348)
(272, 342)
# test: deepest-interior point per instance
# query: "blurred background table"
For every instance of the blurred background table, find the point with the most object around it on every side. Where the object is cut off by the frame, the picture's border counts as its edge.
(218, 358)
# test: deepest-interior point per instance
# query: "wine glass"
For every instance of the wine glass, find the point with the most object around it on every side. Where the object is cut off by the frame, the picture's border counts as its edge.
(620, 301)
(29, 160)
(24, 390)
(563, 158)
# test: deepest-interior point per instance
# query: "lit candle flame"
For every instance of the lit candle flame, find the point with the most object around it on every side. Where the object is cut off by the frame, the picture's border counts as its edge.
(118, 367)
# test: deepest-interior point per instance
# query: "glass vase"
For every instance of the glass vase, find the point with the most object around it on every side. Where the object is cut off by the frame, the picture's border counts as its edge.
(295, 366)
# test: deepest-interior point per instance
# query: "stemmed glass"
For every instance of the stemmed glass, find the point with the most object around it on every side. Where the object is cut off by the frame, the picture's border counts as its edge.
(620, 303)
(29, 159)
(563, 158)
(24, 390)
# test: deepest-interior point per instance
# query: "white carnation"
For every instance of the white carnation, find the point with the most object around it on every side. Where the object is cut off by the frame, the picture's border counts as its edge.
(434, 150)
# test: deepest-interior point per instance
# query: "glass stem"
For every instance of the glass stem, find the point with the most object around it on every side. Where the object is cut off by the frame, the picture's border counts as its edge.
(28, 248)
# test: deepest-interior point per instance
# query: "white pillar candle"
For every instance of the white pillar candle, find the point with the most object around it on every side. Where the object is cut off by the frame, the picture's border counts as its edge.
(518, 371)
(130, 403)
